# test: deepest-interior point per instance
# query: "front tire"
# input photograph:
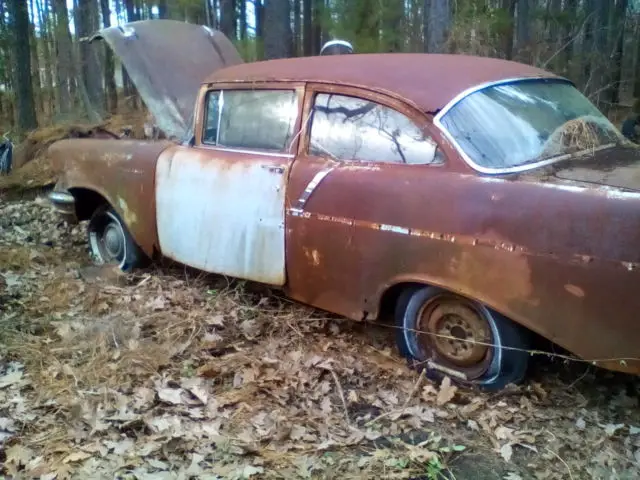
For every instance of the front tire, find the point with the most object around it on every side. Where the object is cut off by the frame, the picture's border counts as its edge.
(110, 243)
(438, 331)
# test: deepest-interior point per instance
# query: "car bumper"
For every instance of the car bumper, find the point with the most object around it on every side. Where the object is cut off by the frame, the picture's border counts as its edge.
(64, 204)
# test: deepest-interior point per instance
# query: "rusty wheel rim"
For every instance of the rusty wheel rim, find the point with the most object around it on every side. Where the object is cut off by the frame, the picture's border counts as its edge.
(458, 334)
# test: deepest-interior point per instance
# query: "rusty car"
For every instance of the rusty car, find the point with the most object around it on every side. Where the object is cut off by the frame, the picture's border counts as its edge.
(477, 202)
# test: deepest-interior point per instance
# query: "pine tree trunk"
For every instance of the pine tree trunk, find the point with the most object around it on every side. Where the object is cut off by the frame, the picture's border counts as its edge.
(438, 24)
(111, 104)
(318, 7)
(509, 6)
(162, 9)
(46, 42)
(297, 27)
(228, 18)
(63, 57)
(19, 16)
(619, 26)
(35, 64)
(243, 19)
(277, 32)
(523, 31)
(129, 91)
(86, 23)
(636, 86)
(307, 28)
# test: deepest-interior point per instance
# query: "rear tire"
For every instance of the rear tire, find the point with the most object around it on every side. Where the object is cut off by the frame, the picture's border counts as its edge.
(452, 324)
(110, 242)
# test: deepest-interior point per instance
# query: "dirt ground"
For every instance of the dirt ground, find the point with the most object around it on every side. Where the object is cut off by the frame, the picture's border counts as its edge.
(171, 374)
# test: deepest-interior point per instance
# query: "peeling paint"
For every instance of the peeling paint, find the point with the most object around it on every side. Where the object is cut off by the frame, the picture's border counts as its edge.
(130, 217)
(222, 215)
(574, 290)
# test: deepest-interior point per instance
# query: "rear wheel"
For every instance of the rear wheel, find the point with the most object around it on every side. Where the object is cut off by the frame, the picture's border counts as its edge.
(447, 334)
(110, 243)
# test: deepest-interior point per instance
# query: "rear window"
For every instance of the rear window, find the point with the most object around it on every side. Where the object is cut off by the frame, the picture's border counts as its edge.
(524, 122)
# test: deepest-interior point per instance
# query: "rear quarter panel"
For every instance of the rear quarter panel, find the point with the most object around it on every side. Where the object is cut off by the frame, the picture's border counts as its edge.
(562, 260)
(121, 171)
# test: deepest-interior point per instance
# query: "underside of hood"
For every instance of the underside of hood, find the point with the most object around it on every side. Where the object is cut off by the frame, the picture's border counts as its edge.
(168, 60)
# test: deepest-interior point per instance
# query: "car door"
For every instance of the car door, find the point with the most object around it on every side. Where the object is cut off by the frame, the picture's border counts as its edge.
(361, 153)
(220, 203)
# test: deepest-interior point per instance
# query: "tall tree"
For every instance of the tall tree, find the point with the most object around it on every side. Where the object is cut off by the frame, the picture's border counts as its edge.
(42, 7)
(129, 90)
(589, 9)
(162, 9)
(620, 20)
(523, 31)
(19, 18)
(393, 28)
(569, 35)
(63, 56)
(307, 26)
(509, 10)
(86, 21)
(228, 18)
(297, 27)
(35, 63)
(437, 24)
(318, 11)
(243, 19)
(277, 32)
(636, 86)
(111, 98)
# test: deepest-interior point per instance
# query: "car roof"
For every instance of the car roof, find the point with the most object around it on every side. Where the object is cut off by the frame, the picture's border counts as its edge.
(428, 80)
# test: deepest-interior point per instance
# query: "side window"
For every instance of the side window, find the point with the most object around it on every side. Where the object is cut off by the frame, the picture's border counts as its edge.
(353, 129)
(253, 119)
(211, 118)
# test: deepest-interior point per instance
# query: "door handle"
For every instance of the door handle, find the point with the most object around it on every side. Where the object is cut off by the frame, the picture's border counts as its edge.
(271, 168)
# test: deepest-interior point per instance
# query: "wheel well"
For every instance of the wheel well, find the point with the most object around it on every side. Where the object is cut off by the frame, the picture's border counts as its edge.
(87, 201)
(390, 298)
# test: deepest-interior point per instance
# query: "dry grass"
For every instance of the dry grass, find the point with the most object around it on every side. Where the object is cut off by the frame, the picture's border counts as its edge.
(32, 168)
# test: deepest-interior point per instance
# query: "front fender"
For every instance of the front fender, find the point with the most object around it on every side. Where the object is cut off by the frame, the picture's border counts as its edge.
(120, 171)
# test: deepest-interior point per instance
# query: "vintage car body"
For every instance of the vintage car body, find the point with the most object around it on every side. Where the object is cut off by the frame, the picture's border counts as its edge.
(550, 245)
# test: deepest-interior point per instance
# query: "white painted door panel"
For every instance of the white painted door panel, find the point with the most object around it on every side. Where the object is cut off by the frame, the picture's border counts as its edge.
(223, 212)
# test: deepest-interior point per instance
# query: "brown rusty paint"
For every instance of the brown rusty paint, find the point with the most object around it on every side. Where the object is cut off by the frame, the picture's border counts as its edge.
(464, 232)
(121, 171)
(555, 250)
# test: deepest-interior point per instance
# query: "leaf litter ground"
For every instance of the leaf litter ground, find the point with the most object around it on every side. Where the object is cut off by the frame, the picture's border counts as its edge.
(168, 373)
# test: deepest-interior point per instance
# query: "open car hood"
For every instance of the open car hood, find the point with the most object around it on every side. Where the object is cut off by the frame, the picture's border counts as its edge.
(168, 60)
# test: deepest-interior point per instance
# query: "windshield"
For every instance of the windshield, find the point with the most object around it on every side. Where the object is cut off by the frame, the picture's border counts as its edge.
(515, 124)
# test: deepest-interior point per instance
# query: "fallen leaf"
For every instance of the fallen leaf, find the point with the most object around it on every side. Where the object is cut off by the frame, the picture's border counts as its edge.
(76, 457)
(12, 378)
(170, 395)
(447, 392)
(506, 451)
(611, 429)
(215, 320)
(18, 455)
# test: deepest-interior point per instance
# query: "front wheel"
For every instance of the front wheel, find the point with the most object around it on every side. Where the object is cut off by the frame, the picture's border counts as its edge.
(447, 334)
(110, 243)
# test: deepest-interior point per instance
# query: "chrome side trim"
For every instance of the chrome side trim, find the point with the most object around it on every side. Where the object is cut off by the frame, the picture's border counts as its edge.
(63, 198)
(246, 151)
(437, 121)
